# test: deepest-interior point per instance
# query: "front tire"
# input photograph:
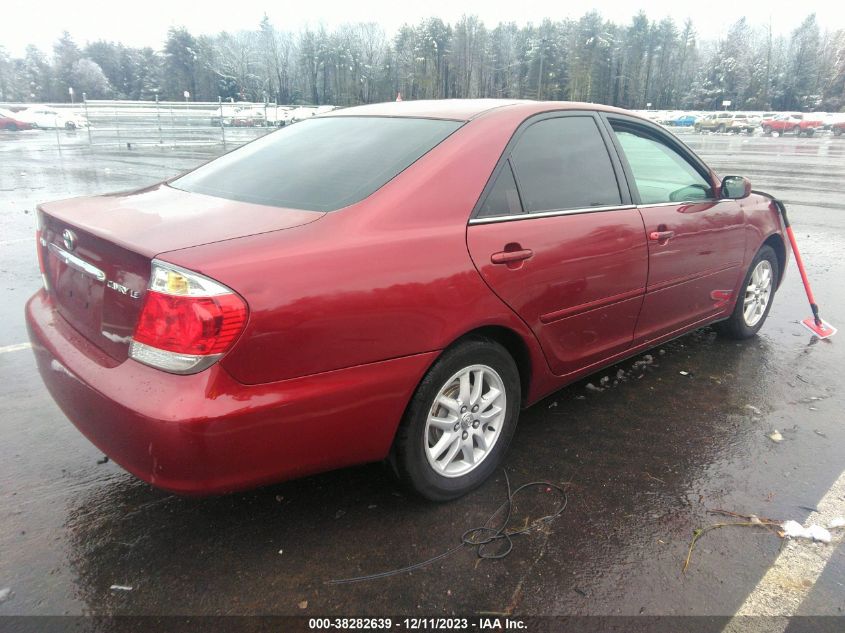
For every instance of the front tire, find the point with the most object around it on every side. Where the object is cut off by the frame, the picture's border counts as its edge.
(755, 297)
(460, 420)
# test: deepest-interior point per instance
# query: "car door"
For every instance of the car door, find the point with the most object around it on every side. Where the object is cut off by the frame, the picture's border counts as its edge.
(556, 237)
(44, 119)
(696, 241)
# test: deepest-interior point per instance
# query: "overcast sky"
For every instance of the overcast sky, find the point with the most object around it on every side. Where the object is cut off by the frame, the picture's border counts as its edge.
(145, 22)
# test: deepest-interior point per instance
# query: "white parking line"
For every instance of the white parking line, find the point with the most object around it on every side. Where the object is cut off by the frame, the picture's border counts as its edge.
(15, 348)
(789, 580)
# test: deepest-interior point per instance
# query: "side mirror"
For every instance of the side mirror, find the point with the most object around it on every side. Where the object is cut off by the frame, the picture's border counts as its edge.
(736, 187)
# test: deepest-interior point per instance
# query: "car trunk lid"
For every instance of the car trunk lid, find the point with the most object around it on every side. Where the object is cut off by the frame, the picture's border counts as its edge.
(97, 251)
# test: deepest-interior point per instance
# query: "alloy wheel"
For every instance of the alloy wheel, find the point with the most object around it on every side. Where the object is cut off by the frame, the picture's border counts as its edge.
(465, 421)
(757, 293)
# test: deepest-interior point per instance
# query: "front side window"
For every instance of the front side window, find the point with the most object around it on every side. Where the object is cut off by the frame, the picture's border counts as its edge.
(321, 164)
(563, 163)
(661, 173)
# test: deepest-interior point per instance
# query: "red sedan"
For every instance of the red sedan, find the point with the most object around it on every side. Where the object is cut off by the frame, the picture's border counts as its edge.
(392, 281)
(10, 121)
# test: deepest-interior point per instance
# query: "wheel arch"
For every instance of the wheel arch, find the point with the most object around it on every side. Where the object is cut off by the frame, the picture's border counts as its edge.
(776, 242)
(513, 344)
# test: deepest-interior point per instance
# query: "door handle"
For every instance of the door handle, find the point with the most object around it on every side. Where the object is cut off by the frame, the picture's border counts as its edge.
(661, 236)
(506, 257)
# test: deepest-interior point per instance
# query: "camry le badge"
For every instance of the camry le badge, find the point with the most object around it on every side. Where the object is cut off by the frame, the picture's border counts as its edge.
(123, 289)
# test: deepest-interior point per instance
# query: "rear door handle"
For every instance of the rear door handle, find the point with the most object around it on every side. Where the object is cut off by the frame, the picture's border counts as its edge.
(506, 257)
(661, 236)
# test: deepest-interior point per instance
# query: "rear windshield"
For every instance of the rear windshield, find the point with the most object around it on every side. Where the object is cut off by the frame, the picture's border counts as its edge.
(319, 164)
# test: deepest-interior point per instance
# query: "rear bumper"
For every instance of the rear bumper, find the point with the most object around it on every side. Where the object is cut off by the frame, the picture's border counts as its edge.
(207, 433)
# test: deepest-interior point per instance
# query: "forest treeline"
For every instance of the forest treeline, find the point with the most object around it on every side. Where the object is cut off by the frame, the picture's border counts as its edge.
(631, 65)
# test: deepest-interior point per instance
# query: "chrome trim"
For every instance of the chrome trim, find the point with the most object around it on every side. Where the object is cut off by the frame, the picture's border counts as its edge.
(76, 263)
(548, 214)
(677, 204)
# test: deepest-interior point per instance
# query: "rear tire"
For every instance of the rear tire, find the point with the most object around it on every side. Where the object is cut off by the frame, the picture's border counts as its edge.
(455, 433)
(810, 131)
(755, 297)
(767, 130)
(837, 131)
(721, 129)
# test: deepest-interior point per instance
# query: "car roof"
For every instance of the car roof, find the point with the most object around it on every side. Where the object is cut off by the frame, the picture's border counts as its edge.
(466, 109)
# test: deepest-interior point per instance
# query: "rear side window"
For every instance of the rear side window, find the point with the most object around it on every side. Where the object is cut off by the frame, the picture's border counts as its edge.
(562, 163)
(503, 198)
(319, 164)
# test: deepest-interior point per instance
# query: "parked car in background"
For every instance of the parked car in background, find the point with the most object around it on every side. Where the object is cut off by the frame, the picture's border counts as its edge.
(391, 281)
(278, 116)
(683, 120)
(666, 117)
(246, 117)
(782, 123)
(810, 122)
(754, 120)
(742, 123)
(224, 112)
(724, 122)
(49, 118)
(686, 120)
(10, 121)
(838, 128)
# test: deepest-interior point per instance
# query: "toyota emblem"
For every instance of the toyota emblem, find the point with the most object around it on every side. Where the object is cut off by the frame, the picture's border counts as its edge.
(69, 239)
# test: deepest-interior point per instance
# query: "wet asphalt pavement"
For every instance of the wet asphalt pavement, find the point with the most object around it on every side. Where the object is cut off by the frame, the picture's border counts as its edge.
(642, 461)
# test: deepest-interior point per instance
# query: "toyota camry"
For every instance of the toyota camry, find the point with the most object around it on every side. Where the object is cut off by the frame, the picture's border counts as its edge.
(386, 282)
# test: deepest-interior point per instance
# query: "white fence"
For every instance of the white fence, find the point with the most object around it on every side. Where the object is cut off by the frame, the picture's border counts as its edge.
(165, 123)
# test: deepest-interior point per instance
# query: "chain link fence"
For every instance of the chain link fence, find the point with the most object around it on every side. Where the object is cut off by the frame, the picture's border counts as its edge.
(165, 123)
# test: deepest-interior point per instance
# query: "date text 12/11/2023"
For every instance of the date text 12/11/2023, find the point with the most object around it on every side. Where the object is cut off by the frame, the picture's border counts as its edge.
(419, 624)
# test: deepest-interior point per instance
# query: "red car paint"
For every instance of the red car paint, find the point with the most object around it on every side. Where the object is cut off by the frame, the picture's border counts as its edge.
(797, 123)
(810, 122)
(348, 309)
(8, 121)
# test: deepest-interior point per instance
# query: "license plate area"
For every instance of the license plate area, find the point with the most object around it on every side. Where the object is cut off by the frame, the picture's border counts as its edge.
(78, 290)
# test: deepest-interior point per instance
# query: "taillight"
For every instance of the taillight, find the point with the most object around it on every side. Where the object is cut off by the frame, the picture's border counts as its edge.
(187, 321)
